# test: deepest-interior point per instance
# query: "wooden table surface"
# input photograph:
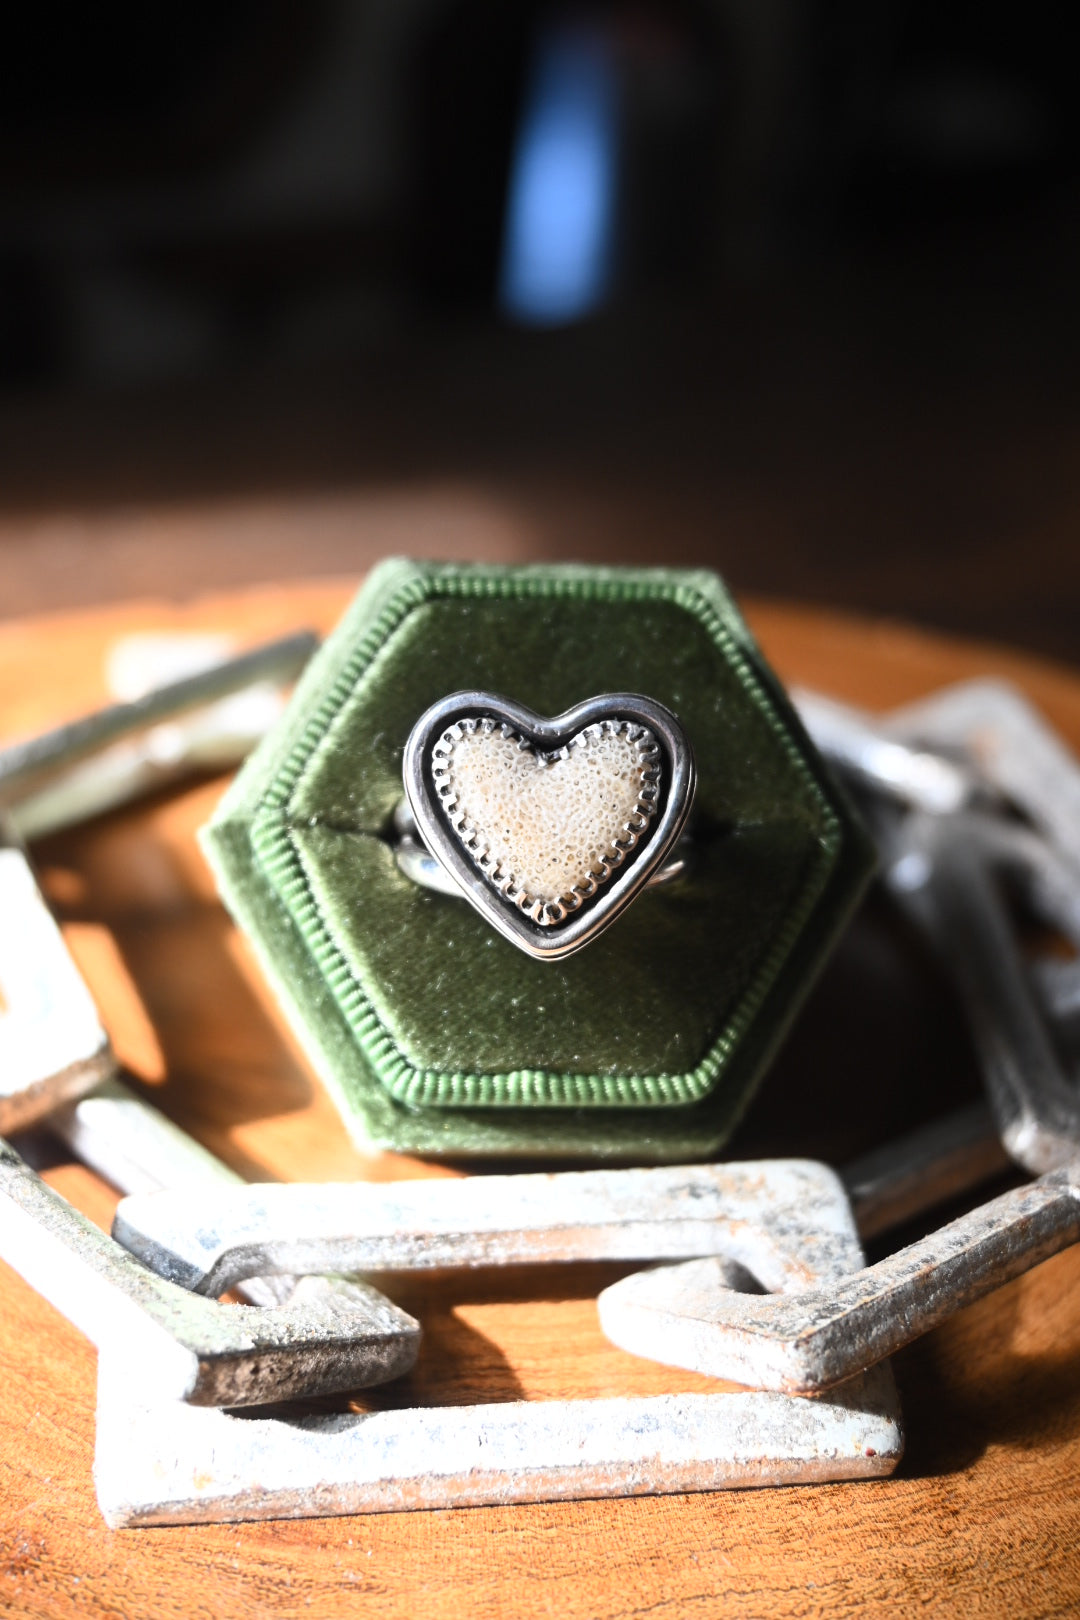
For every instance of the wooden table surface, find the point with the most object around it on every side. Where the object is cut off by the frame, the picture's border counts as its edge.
(983, 1517)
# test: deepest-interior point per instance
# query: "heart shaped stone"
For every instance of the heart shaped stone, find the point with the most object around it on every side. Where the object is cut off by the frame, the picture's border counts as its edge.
(547, 829)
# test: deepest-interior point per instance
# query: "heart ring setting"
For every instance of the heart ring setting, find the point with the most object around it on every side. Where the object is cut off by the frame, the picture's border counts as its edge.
(550, 828)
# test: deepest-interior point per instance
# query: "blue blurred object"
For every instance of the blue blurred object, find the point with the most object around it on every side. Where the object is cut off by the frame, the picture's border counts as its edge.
(557, 245)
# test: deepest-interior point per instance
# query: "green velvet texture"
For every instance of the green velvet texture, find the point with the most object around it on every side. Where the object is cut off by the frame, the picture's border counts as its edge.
(664, 1022)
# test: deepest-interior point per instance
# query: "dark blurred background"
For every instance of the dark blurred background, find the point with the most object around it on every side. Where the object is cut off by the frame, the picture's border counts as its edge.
(785, 288)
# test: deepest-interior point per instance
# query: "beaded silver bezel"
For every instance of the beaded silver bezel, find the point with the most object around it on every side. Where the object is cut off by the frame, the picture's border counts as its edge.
(553, 929)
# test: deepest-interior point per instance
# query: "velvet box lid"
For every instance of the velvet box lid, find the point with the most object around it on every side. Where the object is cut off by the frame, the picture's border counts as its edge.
(434, 1034)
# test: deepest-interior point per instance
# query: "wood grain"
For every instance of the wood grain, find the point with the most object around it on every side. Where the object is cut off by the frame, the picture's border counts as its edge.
(984, 1517)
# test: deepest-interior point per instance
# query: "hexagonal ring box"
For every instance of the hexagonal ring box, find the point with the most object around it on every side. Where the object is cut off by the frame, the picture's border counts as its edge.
(433, 1032)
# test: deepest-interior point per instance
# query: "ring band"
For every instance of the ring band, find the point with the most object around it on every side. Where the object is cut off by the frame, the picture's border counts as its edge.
(417, 863)
(550, 828)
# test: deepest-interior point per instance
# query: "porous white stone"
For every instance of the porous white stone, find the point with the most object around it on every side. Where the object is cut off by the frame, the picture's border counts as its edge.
(548, 829)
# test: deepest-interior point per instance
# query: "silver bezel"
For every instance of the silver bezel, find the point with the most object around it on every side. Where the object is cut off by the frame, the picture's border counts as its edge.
(678, 781)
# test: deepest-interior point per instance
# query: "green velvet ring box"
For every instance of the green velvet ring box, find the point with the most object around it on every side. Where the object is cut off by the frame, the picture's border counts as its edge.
(434, 1034)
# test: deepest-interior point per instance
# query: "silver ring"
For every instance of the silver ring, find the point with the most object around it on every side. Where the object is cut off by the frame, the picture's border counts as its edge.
(550, 828)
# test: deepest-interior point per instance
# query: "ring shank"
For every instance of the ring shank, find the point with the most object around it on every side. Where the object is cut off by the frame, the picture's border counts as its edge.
(421, 867)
